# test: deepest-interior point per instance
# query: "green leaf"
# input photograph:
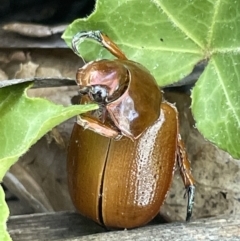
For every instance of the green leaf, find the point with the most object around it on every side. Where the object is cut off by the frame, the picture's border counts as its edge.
(216, 102)
(4, 236)
(169, 37)
(24, 120)
(215, 98)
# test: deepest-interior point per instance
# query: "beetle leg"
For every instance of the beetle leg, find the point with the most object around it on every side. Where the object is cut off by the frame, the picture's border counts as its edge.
(97, 126)
(97, 120)
(112, 47)
(187, 177)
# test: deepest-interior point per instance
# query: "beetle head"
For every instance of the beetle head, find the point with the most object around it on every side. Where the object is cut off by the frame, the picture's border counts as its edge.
(103, 80)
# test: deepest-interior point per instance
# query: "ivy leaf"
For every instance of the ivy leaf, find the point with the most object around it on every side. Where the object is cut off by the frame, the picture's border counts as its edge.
(216, 102)
(170, 37)
(4, 236)
(23, 121)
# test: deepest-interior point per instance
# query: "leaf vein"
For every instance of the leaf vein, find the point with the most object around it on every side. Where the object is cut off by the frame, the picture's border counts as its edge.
(226, 50)
(170, 49)
(210, 32)
(230, 104)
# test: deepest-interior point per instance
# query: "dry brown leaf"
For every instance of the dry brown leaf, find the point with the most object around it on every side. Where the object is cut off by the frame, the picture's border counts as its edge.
(27, 70)
(48, 71)
(18, 56)
(3, 75)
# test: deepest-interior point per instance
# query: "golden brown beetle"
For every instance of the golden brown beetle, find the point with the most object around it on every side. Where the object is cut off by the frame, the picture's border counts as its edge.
(123, 183)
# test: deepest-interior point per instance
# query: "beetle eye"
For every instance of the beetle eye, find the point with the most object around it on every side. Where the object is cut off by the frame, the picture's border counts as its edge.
(99, 93)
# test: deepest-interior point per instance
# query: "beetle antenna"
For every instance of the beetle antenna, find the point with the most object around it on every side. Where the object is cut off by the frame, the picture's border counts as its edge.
(101, 38)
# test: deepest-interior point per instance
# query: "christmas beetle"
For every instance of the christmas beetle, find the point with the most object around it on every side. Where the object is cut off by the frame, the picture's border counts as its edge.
(122, 156)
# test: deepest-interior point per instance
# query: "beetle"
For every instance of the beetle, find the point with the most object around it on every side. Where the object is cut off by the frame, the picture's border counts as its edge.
(122, 156)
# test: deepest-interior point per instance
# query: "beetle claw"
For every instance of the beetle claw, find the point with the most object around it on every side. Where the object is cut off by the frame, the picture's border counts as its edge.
(80, 36)
(190, 191)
